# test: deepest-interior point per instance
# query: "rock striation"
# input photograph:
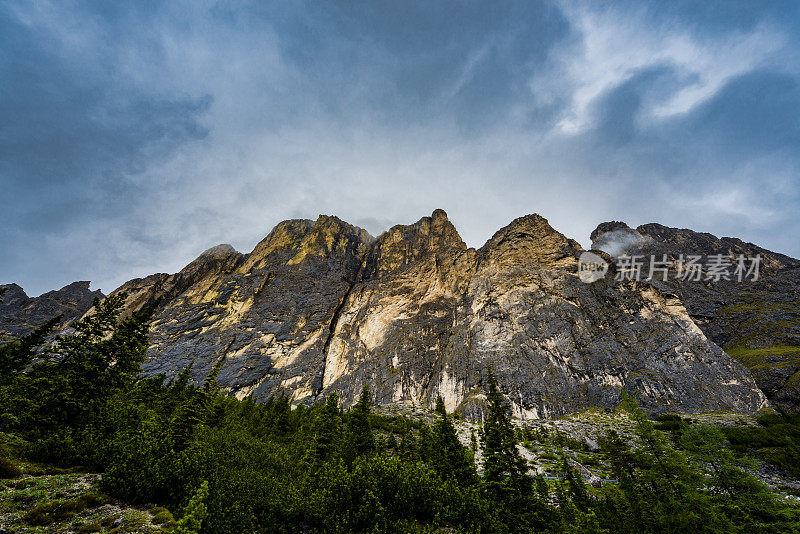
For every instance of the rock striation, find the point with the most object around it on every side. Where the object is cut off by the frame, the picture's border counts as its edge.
(757, 322)
(321, 306)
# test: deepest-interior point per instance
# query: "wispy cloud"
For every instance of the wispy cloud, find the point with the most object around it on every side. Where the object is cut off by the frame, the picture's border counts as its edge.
(615, 44)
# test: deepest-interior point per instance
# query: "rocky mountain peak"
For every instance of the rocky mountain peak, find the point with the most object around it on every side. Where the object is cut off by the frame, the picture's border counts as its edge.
(439, 214)
(617, 238)
(213, 255)
(11, 293)
(220, 251)
(295, 240)
(435, 231)
(286, 234)
(432, 237)
(334, 225)
(530, 240)
(609, 226)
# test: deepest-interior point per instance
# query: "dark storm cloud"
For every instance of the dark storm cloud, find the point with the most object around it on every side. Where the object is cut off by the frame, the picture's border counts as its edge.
(73, 132)
(134, 135)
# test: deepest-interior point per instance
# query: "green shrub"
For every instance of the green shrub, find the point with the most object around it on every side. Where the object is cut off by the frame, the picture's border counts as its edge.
(162, 516)
(195, 513)
(52, 512)
(90, 527)
(93, 500)
(589, 460)
(670, 422)
(109, 520)
(8, 469)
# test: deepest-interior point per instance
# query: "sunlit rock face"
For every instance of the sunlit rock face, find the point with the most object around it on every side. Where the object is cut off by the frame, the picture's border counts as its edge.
(756, 322)
(267, 313)
(320, 306)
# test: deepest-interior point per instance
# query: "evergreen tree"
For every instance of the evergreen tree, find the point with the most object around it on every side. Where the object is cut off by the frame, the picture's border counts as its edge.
(82, 370)
(409, 448)
(280, 415)
(743, 499)
(18, 354)
(361, 437)
(15, 356)
(448, 457)
(504, 468)
(326, 432)
(505, 481)
(576, 489)
(425, 443)
(196, 409)
(658, 488)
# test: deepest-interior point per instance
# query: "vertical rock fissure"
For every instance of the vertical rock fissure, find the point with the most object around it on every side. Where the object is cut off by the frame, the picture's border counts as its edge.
(332, 332)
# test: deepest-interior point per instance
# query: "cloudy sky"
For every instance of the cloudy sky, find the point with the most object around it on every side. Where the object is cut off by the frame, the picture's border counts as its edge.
(134, 135)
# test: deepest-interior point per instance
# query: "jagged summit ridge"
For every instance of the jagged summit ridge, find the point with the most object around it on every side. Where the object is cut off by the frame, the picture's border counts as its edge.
(321, 306)
(616, 237)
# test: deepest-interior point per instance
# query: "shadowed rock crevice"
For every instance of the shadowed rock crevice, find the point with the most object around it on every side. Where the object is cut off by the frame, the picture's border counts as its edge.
(331, 332)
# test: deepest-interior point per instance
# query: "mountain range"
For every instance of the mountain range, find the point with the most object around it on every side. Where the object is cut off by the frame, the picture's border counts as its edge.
(322, 306)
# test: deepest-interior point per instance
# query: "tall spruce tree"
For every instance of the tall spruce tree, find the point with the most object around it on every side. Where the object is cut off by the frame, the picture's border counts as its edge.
(361, 438)
(196, 409)
(448, 457)
(18, 354)
(15, 356)
(504, 468)
(327, 433)
(409, 447)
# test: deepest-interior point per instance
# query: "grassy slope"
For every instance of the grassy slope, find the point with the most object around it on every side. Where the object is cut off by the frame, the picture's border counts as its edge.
(49, 500)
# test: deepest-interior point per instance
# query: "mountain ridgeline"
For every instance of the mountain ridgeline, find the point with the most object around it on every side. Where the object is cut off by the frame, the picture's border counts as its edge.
(321, 306)
(20, 314)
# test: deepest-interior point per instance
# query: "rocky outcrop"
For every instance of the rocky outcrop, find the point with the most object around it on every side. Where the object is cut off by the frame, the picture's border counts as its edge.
(757, 322)
(566, 345)
(20, 314)
(268, 313)
(321, 306)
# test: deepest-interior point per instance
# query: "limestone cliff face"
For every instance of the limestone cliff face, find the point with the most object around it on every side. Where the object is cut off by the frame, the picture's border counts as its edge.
(757, 322)
(402, 328)
(322, 306)
(267, 313)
